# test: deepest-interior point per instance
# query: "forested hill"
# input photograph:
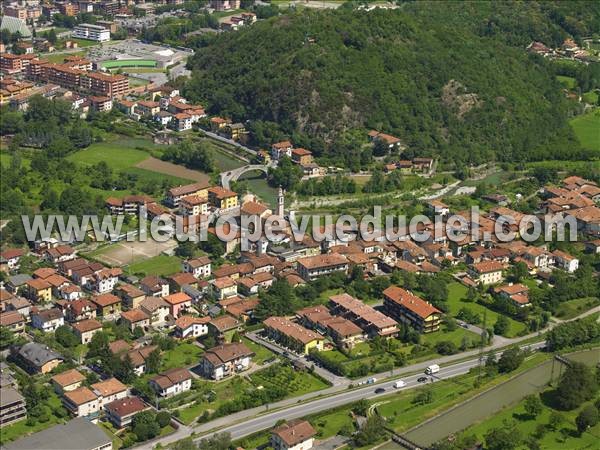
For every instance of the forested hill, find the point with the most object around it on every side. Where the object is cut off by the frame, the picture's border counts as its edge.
(446, 78)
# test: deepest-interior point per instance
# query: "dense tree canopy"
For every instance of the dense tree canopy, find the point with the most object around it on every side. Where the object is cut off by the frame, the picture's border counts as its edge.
(446, 78)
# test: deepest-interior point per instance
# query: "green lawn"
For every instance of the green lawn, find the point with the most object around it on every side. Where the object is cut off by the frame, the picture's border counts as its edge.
(161, 265)
(587, 129)
(590, 97)
(572, 308)
(148, 176)
(568, 82)
(455, 336)
(283, 376)
(565, 437)
(110, 430)
(222, 159)
(184, 354)
(457, 292)
(262, 354)
(113, 154)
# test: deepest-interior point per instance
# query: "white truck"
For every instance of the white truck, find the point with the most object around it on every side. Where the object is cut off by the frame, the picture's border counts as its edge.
(434, 368)
(398, 384)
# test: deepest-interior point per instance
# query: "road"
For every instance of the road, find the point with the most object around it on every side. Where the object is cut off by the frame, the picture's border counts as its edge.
(268, 420)
(249, 421)
(218, 137)
(233, 175)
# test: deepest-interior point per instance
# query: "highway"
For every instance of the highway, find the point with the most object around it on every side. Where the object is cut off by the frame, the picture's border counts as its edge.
(268, 420)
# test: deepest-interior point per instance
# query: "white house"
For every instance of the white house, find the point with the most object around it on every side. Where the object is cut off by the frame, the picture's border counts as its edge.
(296, 434)
(199, 267)
(565, 261)
(189, 326)
(172, 382)
(48, 320)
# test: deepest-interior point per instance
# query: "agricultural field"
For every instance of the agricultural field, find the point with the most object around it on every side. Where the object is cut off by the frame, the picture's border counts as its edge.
(569, 309)
(587, 129)
(287, 378)
(135, 253)
(568, 82)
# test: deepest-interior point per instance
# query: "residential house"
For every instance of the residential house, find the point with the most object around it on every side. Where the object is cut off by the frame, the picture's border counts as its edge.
(406, 307)
(11, 257)
(39, 290)
(313, 267)
(178, 280)
(155, 286)
(13, 321)
(297, 434)
(517, 293)
(157, 310)
(190, 326)
(281, 149)
(487, 272)
(121, 412)
(344, 332)
(109, 391)
(59, 253)
(225, 360)
(199, 267)
(80, 309)
(172, 382)
(130, 295)
(81, 402)
(193, 205)
(222, 199)
(18, 283)
(37, 358)
(67, 381)
(108, 306)
(174, 195)
(138, 358)
(223, 326)
(224, 287)
(86, 329)
(135, 318)
(48, 320)
(241, 309)
(104, 280)
(565, 261)
(292, 335)
(178, 303)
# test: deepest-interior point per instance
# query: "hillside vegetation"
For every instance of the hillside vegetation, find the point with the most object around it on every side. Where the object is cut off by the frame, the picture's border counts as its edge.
(448, 78)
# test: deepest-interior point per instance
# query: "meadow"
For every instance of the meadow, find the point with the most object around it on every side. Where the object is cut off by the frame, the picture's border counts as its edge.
(587, 129)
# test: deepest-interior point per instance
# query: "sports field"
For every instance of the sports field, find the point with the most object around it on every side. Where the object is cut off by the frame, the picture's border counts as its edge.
(119, 63)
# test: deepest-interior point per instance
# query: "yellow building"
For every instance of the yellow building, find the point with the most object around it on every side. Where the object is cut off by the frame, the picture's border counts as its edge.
(406, 307)
(293, 336)
(39, 290)
(222, 198)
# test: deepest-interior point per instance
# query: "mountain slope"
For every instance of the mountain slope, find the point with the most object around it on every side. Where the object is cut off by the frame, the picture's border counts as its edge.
(439, 85)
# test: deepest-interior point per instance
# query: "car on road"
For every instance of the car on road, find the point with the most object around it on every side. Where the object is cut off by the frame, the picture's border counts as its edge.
(399, 384)
(379, 390)
(422, 379)
(465, 325)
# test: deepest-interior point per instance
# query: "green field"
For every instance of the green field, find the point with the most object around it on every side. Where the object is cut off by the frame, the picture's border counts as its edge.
(457, 292)
(114, 64)
(587, 129)
(262, 354)
(569, 309)
(60, 57)
(183, 355)
(590, 97)
(113, 154)
(568, 82)
(161, 265)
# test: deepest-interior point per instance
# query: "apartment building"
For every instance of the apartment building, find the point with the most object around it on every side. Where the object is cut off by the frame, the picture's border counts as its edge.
(406, 307)
(292, 335)
(371, 321)
(313, 267)
(12, 406)
(91, 32)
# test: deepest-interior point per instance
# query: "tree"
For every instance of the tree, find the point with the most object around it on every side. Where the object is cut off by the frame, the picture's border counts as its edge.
(555, 420)
(518, 272)
(533, 405)
(370, 432)
(219, 441)
(577, 385)
(588, 417)
(7, 337)
(52, 38)
(153, 361)
(506, 437)
(286, 174)
(510, 359)
(145, 426)
(163, 418)
(124, 372)
(360, 407)
(502, 325)
(64, 336)
(423, 397)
